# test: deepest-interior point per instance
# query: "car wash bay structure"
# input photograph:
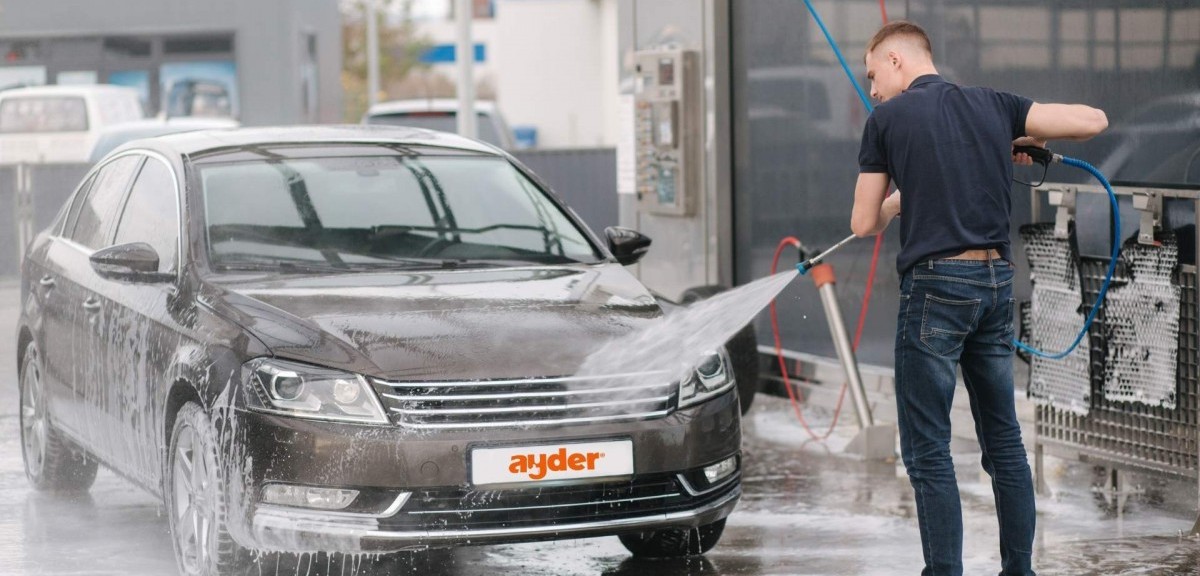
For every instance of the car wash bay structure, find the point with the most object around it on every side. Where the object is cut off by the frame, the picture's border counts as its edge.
(263, 62)
(741, 128)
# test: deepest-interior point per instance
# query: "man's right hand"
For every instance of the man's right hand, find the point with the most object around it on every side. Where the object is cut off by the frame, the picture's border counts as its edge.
(1023, 159)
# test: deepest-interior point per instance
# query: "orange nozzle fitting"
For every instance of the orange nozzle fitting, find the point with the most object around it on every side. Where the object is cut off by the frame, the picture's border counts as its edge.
(822, 274)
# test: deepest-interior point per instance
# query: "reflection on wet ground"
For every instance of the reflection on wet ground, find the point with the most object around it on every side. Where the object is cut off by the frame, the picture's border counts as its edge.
(805, 511)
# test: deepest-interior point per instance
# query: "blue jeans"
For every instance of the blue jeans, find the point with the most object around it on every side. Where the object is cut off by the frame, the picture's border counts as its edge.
(960, 313)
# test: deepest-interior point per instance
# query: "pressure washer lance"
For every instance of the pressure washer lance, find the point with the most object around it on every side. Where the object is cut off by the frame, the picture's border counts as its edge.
(1040, 155)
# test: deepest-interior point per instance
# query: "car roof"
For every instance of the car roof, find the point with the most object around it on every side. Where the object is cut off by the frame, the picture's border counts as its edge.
(70, 90)
(203, 141)
(426, 105)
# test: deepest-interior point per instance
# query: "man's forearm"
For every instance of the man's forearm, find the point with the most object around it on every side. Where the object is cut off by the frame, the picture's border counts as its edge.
(888, 210)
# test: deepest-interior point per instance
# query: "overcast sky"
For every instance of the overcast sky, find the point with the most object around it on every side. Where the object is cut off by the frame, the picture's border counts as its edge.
(430, 8)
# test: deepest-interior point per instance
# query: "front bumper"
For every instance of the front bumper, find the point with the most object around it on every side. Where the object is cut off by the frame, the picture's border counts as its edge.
(278, 528)
(419, 487)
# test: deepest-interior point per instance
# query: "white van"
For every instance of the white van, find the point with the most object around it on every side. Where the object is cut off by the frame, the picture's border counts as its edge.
(60, 124)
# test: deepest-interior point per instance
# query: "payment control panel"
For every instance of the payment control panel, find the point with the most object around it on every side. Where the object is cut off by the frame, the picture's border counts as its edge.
(667, 129)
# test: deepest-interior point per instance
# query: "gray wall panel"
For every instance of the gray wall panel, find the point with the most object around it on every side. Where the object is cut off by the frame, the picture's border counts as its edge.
(9, 258)
(52, 184)
(586, 179)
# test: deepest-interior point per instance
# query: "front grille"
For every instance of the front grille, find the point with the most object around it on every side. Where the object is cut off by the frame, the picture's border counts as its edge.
(528, 402)
(452, 509)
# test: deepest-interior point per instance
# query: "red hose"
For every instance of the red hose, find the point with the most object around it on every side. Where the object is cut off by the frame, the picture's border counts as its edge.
(858, 330)
(862, 316)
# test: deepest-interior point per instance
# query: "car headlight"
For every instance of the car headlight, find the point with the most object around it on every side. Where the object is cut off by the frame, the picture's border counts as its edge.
(306, 391)
(710, 377)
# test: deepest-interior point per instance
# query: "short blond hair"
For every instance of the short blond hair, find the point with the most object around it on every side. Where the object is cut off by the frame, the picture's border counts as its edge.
(901, 28)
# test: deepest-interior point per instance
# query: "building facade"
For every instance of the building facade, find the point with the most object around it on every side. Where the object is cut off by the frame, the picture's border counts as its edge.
(262, 61)
(551, 65)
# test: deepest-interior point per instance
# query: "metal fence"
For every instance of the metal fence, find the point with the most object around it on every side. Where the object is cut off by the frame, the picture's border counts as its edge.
(35, 192)
(1133, 435)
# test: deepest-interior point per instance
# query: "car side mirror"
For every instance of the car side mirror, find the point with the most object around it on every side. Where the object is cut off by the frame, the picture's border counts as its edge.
(132, 262)
(627, 245)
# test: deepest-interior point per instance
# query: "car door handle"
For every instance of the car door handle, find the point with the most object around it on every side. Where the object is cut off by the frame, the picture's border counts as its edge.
(47, 281)
(91, 304)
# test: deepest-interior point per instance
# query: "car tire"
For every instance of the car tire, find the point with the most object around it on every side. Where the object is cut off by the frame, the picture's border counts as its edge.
(52, 463)
(195, 495)
(742, 348)
(674, 543)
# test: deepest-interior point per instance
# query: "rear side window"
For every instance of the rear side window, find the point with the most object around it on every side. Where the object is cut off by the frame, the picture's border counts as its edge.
(26, 114)
(151, 215)
(70, 213)
(96, 213)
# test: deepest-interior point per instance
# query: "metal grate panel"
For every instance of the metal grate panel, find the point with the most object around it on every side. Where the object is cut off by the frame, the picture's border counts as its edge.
(1142, 325)
(1058, 311)
(1135, 434)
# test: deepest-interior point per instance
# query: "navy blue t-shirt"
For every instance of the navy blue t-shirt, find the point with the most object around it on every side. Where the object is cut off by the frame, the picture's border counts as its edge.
(948, 149)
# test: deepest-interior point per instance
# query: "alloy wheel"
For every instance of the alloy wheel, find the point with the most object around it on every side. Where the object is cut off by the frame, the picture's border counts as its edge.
(33, 416)
(195, 502)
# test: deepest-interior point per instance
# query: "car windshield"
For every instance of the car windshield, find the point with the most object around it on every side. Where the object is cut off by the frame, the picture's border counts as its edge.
(372, 212)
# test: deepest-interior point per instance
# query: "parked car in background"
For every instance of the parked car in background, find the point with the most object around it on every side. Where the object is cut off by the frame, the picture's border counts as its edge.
(442, 115)
(356, 339)
(60, 124)
(112, 137)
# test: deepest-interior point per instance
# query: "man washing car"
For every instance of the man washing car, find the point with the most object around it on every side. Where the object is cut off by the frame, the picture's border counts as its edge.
(949, 148)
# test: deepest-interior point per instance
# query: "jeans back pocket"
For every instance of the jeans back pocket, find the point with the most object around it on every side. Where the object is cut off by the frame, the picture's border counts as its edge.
(945, 323)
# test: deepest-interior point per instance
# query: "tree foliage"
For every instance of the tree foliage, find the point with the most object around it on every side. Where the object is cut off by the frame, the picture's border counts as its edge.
(400, 50)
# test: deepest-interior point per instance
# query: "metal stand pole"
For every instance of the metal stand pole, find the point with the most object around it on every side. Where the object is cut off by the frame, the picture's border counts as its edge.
(873, 441)
(465, 58)
(372, 52)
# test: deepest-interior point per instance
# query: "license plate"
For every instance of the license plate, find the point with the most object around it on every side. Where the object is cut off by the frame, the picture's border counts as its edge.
(548, 462)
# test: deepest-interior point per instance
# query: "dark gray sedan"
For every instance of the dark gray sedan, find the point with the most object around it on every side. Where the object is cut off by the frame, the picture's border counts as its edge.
(359, 340)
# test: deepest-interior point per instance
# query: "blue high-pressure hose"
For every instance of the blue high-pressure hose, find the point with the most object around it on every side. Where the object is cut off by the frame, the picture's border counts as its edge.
(803, 267)
(1112, 263)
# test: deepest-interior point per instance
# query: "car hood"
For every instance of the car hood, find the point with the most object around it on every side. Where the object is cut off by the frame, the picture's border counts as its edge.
(468, 324)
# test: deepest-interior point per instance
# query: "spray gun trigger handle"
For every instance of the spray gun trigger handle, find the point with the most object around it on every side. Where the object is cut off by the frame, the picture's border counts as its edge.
(1040, 155)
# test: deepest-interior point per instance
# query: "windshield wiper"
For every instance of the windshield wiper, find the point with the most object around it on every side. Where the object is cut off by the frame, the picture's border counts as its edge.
(244, 263)
(405, 264)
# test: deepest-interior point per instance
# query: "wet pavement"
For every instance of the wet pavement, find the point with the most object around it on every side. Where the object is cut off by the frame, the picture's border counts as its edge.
(806, 510)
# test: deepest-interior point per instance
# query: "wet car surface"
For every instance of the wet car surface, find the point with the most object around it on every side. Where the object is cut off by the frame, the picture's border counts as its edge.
(805, 511)
(361, 340)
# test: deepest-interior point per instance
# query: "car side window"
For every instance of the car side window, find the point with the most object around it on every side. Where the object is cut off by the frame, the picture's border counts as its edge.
(71, 213)
(151, 214)
(98, 210)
